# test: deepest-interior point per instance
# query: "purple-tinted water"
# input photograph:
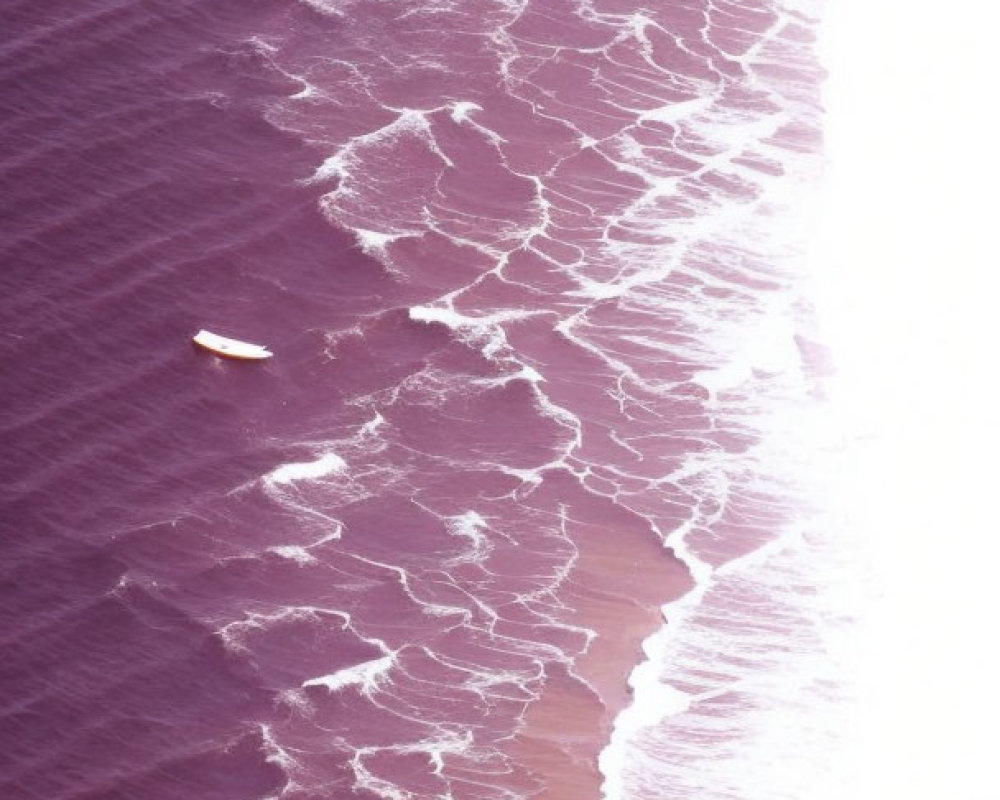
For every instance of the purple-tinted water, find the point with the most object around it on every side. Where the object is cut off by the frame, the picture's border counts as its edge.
(508, 256)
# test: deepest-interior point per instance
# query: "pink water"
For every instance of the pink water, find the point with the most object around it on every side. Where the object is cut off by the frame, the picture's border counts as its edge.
(502, 253)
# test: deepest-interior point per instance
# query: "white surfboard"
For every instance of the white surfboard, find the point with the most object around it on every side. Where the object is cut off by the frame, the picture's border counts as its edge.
(231, 348)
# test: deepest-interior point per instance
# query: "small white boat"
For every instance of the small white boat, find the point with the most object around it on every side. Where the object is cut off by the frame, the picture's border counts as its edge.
(231, 348)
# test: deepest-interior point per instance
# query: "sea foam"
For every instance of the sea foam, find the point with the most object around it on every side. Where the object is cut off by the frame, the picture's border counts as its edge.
(326, 464)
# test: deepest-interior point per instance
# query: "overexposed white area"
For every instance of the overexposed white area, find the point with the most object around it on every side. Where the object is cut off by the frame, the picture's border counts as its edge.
(906, 271)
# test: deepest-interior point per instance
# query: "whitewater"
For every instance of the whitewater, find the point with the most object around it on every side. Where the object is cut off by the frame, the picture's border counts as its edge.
(524, 504)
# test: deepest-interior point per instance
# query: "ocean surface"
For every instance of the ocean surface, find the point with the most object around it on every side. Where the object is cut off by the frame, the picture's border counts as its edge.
(516, 510)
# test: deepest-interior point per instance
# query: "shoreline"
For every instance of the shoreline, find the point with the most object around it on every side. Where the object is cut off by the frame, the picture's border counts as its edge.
(565, 730)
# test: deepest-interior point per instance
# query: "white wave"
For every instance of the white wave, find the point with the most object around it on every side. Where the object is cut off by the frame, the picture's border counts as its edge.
(333, 8)
(457, 321)
(300, 555)
(523, 373)
(326, 464)
(307, 90)
(376, 243)
(674, 112)
(471, 526)
(460, 111)
(762, 680)
(367, 675)
(369, 428)
(275, 754)
(335, 166)
(485, 331)
(529, 374)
